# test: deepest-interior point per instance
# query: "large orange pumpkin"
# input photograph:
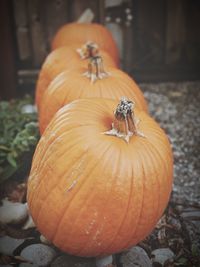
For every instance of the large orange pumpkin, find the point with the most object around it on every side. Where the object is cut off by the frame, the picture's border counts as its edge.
(72, 85)
(83, 32)
(66, 58)
(99, 182)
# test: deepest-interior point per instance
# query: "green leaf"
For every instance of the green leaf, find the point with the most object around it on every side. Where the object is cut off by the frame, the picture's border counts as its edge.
(11, 160)
(181, 261)
(18, 132)
(7, 172)
(195, 250)
(4, 148)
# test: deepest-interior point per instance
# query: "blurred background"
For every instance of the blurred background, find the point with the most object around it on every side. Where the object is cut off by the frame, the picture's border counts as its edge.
(158, 40)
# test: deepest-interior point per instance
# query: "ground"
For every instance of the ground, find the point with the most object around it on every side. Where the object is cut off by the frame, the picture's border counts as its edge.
(176, 107)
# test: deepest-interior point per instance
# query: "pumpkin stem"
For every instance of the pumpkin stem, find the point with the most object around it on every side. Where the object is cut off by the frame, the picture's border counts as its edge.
(96, 69)
(125, 123)
(88, 50)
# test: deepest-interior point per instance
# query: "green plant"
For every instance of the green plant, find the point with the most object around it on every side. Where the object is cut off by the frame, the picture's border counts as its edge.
(18, 134)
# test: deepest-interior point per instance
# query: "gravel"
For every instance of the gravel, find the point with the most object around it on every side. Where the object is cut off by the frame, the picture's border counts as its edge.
(39, 254)
(175, 106)
(135, 257)
(162, 255)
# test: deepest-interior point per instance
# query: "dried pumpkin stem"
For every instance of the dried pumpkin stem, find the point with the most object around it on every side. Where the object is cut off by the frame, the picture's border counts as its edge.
(88, 50)
(125, 123)
(95, 69)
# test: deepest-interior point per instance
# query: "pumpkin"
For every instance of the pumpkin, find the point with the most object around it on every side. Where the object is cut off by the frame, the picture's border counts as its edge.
(65, 58)
(95, 82)
(100, 180)
(83, 32)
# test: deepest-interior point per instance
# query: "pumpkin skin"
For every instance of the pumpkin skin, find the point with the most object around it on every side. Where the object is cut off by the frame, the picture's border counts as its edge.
(59, 60)
(83, 32)
(93, 194)
(71, 85)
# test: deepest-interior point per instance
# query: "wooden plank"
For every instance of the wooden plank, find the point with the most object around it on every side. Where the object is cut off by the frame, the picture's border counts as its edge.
(22, 30)
(7, 53)
(166, 74)
(176, 31)
(20, 12)
(23, 40)
(37, 32)
(127, 57)
(101, 8)
(149, 29)
(192, 44)
(55, 14)
(114, 27)
(128, 36)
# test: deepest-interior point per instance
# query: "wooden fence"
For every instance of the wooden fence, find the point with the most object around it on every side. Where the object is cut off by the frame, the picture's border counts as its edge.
(158, 40)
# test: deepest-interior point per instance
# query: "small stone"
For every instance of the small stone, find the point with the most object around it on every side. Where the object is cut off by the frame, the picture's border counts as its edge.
(190, 214)
(66, 260)
(9, 244)
(104, 261)
(44, 240)
(38, 254)
(29, 223)
(29, 109)
(13, 212)
(135, 257)
(162, 255)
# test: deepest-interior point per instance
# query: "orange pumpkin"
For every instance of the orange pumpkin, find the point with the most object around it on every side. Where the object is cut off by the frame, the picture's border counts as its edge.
(72, 85)
(66, 58)
(83, 32)
(99, 181)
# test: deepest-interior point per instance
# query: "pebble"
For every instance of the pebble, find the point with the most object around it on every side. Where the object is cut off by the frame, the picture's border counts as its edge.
(192, 222)
(191, 214)
(29, 223)
(66, 260)
(135, 257)
(104, 261)
(161, 255)
(13, 212)
(44, 240)
(29, 109)
(38, 254)
(9, 244)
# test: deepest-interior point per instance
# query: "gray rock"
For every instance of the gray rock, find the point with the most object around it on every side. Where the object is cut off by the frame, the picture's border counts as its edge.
(104, 261)
(65, 260)
(39, 254)
(135, 257)
(190, 214)
(13, 212)
(29, 223)
(9, 244)
(29, 109)
(44, 240)
(161, 255)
